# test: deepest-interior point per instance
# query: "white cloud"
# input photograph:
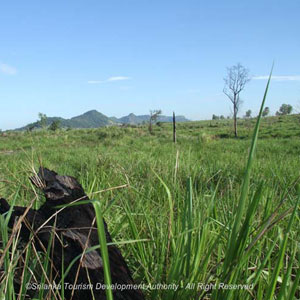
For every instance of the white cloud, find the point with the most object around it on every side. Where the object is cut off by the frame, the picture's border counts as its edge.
(118, 78)
(278, 78)
(6, 69)
(110, 79)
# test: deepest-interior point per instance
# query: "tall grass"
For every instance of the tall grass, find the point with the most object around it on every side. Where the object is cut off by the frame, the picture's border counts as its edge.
(194, 215)
(104, 251)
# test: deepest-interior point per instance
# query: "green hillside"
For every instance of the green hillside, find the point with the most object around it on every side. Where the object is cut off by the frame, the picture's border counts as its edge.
(90, 119)
(95, 119)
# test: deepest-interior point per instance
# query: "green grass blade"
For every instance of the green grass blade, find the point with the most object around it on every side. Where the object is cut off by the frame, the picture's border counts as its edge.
(104, 250)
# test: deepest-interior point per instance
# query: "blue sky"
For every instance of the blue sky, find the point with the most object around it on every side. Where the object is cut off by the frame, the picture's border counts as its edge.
(63, 58)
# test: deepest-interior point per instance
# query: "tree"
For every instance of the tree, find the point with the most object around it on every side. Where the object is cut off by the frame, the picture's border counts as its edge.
(54, 125)
(222, 117)
(236, 79)
(285, 109)
(30, 127)
(154, 114)
(266, 111)
(214, 117)
(43, 120)
(248, 113)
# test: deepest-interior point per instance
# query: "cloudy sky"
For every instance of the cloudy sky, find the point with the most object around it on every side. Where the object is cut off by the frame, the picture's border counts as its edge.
(63, 58)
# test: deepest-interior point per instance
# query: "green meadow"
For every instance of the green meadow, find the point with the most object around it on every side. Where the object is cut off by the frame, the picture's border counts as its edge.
(181, 213)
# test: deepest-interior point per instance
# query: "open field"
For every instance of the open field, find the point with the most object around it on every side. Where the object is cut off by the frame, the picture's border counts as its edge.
(186, 224)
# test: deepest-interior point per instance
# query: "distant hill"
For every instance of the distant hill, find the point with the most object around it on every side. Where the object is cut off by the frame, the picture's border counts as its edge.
(133, 119)
(94, 119)
(90, 119)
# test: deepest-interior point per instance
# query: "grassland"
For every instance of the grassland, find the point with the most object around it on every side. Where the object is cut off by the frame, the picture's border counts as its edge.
(182, 199)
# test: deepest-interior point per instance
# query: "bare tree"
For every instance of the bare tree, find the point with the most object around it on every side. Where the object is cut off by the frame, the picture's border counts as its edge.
(235, 81)
(154, 114)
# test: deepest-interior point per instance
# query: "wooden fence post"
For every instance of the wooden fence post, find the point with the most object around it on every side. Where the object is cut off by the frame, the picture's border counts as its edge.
(174, 128)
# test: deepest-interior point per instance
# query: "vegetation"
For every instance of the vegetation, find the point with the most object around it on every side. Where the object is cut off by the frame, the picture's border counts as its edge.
(182, 200)
(266, 111)
(248, 113)
(42, 120)
(285, 109)
(55, 125)
(215, 117)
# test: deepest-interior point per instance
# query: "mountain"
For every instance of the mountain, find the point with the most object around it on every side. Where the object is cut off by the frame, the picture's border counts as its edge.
(94, 119)
(90, 119)
(132, 119)
(170, 119)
